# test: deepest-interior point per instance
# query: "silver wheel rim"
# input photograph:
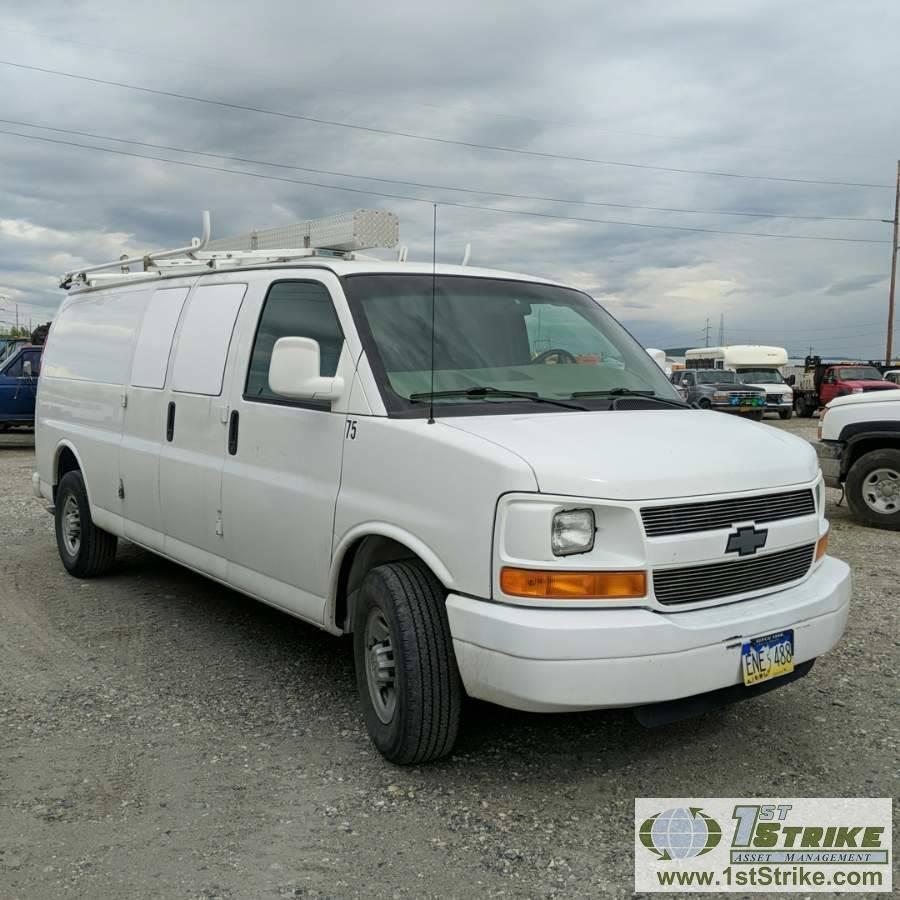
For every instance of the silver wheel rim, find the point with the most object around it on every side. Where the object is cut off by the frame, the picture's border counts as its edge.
(381, 670)
(881, 491)
(71, 526)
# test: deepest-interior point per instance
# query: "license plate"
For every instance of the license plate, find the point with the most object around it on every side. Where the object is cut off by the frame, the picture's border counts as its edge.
(768, 657)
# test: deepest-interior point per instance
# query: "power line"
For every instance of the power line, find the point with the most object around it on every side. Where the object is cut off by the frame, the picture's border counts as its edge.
(450, 203)
(440, 187)
(584, 124)
(432, 138)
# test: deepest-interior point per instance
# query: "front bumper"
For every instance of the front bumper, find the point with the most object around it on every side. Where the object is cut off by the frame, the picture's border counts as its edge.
(830, 455)
(554, 660)
(727, 407)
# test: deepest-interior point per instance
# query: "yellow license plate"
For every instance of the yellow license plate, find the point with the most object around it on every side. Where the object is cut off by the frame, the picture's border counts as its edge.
(768, 657)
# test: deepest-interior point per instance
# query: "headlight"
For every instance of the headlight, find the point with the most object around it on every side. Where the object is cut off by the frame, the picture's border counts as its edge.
(572, 532)
(720, 397)
(856, 391)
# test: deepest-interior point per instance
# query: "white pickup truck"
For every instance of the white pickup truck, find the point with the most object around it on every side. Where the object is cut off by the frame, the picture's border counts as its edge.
(479, 475)
(859, 450)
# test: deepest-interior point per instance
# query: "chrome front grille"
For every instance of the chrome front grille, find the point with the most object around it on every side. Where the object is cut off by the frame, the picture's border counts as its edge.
(687, 518)
(715, 581)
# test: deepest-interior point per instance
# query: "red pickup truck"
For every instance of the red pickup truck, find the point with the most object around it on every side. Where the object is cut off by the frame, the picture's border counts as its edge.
(817, 384)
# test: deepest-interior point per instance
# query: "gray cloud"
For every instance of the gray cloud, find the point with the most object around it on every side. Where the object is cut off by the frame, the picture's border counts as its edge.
(760, 87)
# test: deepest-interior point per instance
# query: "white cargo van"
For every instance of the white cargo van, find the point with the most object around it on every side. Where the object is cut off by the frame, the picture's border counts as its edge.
(759, 367)
(384, 449)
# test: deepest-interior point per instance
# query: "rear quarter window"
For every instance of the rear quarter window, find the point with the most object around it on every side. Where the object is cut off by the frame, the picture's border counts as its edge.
(93, 337)
(154, 344)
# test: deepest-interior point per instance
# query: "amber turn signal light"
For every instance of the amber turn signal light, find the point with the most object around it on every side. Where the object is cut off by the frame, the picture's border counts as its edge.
(572, 585)
(822, 545)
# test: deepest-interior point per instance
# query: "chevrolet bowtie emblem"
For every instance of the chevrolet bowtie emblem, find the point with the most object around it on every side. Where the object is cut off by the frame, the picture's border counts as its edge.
(746, 540)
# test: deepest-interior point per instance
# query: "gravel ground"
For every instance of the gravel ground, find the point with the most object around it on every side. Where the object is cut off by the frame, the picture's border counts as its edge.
(163, 737)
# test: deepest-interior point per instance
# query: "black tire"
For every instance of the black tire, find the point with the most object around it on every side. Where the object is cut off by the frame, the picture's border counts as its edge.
(785, 414)
(704, 403)
(423, 724)
(95, 550)
(856, 488)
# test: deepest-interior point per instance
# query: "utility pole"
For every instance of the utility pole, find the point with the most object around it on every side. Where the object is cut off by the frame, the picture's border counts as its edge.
(889, 347)
(721, 329)
(706, 333)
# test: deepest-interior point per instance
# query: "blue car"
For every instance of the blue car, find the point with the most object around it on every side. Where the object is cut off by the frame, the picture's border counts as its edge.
(18, 386)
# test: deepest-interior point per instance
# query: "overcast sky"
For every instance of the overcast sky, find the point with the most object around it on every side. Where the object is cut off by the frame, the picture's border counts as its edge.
(805, 90)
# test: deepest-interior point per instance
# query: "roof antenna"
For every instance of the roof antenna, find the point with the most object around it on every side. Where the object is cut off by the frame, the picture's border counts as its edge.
(433, 293)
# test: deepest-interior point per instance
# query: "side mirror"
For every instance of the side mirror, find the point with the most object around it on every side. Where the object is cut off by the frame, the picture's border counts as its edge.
(26, 368)
(791, 380)
(294, 371)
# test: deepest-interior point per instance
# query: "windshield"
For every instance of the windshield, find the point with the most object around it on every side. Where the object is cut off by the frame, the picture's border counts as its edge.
(716, 376)
(545, 341)
(860, 373)
(761, 376)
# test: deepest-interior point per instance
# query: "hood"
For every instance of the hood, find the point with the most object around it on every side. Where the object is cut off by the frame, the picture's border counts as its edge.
(773, 388)
(648, 454)
(872, 397)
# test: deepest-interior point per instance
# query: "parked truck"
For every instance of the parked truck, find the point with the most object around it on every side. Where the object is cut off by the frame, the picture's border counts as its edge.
(859, 451)
(757, 366)
(816, 383)
(18, 386)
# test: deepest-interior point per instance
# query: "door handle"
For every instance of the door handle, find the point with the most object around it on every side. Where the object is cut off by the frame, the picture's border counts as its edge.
(233, 423)
(170, 422)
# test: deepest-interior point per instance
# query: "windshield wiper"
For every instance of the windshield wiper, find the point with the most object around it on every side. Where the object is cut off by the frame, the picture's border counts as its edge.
(628, 392)
(490, 392)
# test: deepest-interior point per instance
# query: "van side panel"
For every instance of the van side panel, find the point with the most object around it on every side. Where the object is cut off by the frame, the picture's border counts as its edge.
(192, 452)
(80, 401)
(144, 430)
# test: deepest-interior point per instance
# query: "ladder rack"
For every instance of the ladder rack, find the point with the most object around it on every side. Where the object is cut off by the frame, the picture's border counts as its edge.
(333, 236)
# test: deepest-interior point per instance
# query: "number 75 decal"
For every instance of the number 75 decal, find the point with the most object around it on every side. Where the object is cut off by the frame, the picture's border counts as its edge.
(350, 433)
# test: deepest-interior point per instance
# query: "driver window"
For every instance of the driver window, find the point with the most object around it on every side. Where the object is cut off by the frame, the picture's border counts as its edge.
(294, 309)
(561, 328)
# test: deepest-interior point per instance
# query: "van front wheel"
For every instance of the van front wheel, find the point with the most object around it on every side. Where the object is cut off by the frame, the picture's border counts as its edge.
(84, 549)
(406, 672)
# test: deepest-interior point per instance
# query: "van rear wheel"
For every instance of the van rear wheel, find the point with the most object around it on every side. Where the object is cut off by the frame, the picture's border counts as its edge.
(85, 550)
(406, 671)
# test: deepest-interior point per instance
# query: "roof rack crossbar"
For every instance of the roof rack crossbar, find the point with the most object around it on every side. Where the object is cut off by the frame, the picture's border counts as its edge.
(147, 260)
